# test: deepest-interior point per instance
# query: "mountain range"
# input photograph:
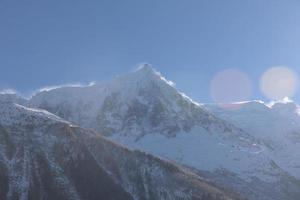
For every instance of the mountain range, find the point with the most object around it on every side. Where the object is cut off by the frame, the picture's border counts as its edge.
(138, 137)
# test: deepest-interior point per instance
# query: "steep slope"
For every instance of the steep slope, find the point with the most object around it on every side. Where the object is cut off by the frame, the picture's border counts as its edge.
(45, 157)
(277, 126)
(142, 110)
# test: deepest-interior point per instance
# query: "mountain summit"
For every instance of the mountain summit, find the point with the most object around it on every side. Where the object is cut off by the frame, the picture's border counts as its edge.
(138, 103)
(146, 69)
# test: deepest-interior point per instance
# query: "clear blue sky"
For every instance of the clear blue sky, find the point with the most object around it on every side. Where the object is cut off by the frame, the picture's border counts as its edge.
(55, 42)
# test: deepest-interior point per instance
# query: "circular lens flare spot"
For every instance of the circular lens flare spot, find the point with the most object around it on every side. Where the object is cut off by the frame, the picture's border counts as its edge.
(230, 86)
(279, 82)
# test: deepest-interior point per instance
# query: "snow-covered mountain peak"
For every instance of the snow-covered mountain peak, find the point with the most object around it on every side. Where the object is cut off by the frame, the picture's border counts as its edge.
(137, 103)
(291, 106)
(146, 68)
(285, 108)
(144, 76)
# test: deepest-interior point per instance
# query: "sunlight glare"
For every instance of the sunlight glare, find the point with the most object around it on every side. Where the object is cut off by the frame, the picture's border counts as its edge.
(279, 82)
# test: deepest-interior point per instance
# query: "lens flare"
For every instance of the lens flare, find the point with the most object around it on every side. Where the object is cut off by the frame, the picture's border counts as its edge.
(230, 86)
(279, 82)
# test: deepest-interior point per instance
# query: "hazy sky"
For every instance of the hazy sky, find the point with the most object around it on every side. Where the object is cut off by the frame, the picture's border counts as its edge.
(56, 42)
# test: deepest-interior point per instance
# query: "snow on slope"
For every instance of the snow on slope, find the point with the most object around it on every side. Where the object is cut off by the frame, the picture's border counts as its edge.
(276, 125)
(21, 115)
(44, 157)
(143, 110)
